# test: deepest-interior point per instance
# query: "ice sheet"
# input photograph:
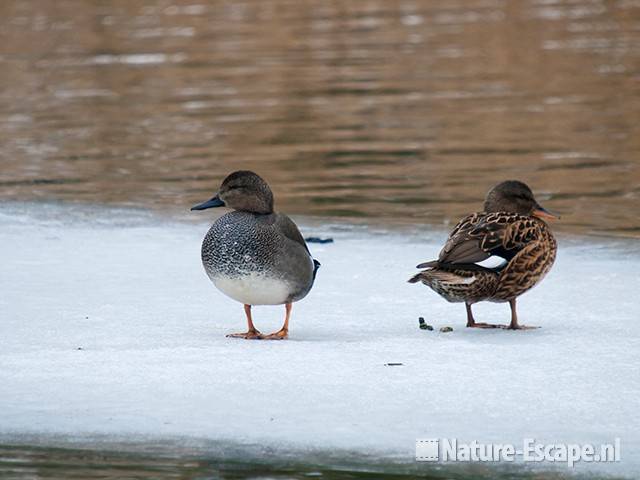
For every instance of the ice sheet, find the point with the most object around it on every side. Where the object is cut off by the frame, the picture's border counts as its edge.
(109, 326)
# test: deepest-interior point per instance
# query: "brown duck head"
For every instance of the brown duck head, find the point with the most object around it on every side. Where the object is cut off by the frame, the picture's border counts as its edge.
(516, 197)
(242, 190)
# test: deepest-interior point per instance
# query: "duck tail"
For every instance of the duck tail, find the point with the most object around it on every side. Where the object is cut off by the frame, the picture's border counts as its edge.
(422, 276)
(316, 266)
(416, 278)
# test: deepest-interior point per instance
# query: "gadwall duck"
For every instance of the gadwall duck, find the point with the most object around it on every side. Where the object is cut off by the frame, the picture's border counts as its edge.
(494, 255)
(253, 254)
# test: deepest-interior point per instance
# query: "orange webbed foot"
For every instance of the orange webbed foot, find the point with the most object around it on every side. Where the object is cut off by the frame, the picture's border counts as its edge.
(281, 334)
(250, 335)
(520, 327)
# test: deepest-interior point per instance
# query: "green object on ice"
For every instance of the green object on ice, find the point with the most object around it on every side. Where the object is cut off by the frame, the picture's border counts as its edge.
(423, 324)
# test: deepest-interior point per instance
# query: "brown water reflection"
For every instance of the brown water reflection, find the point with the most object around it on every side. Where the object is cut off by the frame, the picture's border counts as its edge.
(400, 109)
(24, 462)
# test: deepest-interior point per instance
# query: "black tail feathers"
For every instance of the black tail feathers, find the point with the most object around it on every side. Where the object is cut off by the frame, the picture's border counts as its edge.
(316, 266)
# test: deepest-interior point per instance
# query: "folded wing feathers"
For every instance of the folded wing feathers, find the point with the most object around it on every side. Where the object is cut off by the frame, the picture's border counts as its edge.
(480, 240)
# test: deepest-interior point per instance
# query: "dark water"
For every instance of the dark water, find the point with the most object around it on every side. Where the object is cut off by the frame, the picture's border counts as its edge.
(397, 110)
(18, 462)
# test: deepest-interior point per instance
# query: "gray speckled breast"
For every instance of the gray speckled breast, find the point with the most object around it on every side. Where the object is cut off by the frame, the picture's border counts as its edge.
(251, 261)
(237, 243)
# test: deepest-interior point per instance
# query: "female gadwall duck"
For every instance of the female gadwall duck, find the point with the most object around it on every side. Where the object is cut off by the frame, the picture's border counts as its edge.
(495, 255)
(253, 254)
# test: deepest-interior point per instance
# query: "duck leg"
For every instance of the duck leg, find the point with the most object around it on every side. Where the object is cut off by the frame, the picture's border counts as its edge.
(471, 323)
(284, 331)
(252, 332)
(514, 318)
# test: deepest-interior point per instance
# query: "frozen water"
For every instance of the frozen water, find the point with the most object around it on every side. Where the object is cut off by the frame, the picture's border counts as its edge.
(110, 327)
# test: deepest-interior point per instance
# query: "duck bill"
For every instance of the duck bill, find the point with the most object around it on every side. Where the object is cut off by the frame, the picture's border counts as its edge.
(544, 214)
(213, 203)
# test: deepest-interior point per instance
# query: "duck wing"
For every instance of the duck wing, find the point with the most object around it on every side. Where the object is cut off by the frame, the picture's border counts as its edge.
(488, 240)
(289, 229)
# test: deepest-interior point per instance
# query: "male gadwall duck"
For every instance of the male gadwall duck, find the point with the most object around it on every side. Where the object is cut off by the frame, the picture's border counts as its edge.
(494, 255)
(253, 254)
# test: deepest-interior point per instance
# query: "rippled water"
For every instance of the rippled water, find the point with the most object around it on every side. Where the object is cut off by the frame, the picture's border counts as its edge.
(400, 110)
(18, 462)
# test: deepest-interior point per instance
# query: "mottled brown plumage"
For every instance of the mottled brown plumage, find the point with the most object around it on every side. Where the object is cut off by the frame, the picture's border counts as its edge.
(510, 230)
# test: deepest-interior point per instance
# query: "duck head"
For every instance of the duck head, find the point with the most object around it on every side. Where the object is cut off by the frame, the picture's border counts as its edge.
(516, 197)
(242, 190)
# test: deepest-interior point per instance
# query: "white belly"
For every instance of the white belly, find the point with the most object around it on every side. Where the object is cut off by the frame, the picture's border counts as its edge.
(253, 289)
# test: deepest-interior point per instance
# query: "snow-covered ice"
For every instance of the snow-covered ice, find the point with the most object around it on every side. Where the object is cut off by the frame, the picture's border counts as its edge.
(109, 327)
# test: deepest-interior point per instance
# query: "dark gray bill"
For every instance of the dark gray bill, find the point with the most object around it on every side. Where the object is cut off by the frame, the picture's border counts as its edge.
(214, 202)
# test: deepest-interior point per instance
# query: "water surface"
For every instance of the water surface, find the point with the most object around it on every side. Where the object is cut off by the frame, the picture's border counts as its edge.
(18, 462)
(398, 110)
